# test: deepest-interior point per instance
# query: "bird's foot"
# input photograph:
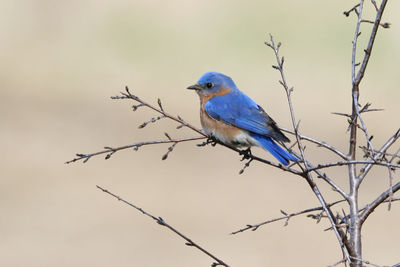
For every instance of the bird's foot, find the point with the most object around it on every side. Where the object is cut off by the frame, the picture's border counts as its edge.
(210, 140)
(246, 154)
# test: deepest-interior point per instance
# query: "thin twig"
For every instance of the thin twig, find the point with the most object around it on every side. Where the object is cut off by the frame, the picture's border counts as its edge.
(371, 41)
(354, 8)
(127, 95)
(379, 200)
(346, 217)
(162, 222)
(340, 235)
(363, 126)
(367, 167)
(368, 262)
(318, 142)
(337, 263)
(385, 25)
(254, 227)
(323, 176)
(135, 146)
(374, 4)
(383, 155)
(391, 171)
(355, 221)
(343, 163)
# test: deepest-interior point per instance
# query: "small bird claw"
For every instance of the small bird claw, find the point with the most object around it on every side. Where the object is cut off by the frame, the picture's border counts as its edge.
(210, 140)
(246, 153)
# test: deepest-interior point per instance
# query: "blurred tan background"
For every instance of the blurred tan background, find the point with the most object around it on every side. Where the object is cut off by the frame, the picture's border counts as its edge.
(62, 60)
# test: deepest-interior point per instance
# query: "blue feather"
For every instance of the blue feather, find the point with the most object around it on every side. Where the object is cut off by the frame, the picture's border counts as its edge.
(239, 110)
(226, 103)
(279, 153)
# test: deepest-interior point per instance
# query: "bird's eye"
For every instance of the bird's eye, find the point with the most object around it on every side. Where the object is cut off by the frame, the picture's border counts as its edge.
(209, 85)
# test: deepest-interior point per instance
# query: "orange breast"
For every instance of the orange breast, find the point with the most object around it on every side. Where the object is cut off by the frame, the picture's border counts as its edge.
(225, 133)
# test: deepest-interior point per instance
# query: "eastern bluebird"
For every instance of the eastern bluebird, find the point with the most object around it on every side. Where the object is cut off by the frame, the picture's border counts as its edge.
(233, 118)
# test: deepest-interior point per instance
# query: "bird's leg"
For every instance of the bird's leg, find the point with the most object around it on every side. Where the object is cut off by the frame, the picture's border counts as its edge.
(210, 140)
(246, 153)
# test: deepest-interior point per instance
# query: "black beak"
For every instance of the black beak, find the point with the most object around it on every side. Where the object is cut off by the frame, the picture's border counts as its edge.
(195, 87)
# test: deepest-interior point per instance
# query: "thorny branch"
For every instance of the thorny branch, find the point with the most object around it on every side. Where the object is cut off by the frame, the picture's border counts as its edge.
(349, 240)
(381, 153)
(373, 264)
(109, 151)
(379, 200)
(317, 142)
(162, 222)
(341, 236)
(286, 217)
(342, 163)
(365, 262)
(354, 181)
(318, 217)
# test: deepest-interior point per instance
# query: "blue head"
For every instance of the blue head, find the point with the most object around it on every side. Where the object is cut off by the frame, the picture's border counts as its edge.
(212, 82)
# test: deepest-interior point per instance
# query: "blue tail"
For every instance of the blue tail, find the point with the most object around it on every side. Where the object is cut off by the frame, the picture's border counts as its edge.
(278, 152)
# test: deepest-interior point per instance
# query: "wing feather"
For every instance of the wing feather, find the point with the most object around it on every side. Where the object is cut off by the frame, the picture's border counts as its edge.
(236, 108)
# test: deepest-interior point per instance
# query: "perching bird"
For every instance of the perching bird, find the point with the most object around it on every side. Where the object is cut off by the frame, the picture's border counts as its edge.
(233, 118)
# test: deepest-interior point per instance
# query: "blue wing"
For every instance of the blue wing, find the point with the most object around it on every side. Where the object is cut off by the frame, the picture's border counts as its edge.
(238, 109)
(279, 153)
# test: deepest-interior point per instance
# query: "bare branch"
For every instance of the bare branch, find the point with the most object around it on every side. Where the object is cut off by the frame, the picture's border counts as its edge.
(390, 187)
(254, 227)
(385, 25)
(340, 235)
(323, 176)
(355, 221)
(364, 128)
(152, 120)
(245, 166)
(343, 225)
(337, 263)
(379, 200)
(354, 8)
(345, 218)
(162, 222)
(350, 162)
(135, 146)
(368, 262)
(342, 114)
(374, 4)
(368, 50)
(128, 95)
(170, 149)
(363, 110)
(319, 143)
(383, 155)
(381, 152)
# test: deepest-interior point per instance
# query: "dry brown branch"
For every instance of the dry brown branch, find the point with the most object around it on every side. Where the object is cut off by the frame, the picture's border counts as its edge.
(379, 200)
(317, 142)
(343, 163)
(367, 167)
(347, 226)
(127, 95)
(110, 151)
(307, 174)
(355, 221)
(162, 222)
(286, 217)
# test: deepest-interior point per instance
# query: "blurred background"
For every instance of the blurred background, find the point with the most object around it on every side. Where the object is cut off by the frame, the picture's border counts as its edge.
(62, 60)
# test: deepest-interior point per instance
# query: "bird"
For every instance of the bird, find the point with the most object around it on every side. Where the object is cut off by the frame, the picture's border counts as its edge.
(234, 119)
